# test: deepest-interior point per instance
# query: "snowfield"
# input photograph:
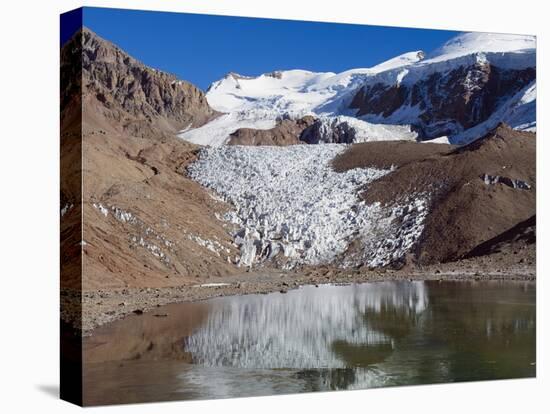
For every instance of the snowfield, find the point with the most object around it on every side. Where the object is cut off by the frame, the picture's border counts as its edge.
(258, 102)
(291, 208)
(468, 43)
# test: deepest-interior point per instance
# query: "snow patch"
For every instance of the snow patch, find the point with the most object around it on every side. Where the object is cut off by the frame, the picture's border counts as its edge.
(510, 182)
(212, 245)
(146, 236)
(102, 209)
(212, 285)
(217, 131)
(151, 248)
(467, 43)
(66, 208)
(438, 140)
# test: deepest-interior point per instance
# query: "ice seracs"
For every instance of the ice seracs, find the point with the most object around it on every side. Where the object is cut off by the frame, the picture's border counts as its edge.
(291, 208)
(347, 129)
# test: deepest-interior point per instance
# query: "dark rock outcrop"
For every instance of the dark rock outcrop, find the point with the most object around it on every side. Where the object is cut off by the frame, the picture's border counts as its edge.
(522, 234)
(286, 132)
(448, 102)
(329, 131)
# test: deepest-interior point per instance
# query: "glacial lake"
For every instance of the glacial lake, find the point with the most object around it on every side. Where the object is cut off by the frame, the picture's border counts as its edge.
(316, 339)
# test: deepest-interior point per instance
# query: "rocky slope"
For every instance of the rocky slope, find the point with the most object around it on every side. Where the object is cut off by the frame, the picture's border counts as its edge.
(144, 222)
(136, 98)
(520, 237)
(477, 192)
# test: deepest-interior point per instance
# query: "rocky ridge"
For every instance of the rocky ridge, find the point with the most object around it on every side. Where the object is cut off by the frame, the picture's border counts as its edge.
(140, 100)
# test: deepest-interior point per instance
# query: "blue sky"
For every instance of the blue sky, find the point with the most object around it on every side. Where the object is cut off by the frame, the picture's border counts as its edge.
(203, 48)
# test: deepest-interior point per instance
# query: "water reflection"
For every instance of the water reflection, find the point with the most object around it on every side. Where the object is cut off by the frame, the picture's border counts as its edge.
(308, 328)
(326, 338)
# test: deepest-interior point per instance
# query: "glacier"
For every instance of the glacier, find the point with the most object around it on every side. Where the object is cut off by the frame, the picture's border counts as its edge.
(291, 208)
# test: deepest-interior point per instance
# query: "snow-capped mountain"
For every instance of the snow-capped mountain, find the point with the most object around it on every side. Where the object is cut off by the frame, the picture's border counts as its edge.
(380, 204)
(474, 79)
(459, 91)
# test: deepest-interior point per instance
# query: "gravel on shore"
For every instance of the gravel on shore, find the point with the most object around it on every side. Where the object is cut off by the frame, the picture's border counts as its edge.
(99, 307)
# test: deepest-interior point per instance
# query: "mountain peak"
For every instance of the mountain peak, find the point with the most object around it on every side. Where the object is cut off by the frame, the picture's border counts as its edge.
(474, 42)
(151, 102)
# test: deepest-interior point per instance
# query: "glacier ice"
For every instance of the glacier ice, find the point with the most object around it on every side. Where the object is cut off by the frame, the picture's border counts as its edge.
(292, 208)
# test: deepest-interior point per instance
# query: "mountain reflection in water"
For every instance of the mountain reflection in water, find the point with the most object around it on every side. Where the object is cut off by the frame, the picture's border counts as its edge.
(309, 328)
(333, 337)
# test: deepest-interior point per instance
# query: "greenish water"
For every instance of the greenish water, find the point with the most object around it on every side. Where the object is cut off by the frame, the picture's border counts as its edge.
(317, 339)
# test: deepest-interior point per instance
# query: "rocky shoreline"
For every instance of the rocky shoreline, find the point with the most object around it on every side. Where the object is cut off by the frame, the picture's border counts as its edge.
(100, 307)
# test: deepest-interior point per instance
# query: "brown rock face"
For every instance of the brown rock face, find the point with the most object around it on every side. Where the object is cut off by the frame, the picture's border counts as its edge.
(132, 218)
(140, 100)
(306, 130)
(287, 132)
(379, 99)
(448, 102)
